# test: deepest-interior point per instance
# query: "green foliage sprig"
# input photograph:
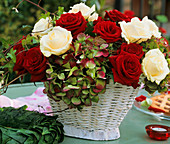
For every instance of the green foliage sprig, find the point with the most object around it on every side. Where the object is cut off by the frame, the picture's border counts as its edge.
(29, 127)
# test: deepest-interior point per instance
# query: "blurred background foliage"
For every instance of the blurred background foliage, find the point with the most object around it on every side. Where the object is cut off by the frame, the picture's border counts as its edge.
(12, 23)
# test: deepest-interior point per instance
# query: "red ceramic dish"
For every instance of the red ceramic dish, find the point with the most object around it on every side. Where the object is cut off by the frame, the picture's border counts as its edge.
(158, 132)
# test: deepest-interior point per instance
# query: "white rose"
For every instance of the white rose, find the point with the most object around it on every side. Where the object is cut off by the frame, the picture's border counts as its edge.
(56, 41)
(93, 17)
(85, 10)
(152, 27)
(155, 66)
(42, 27)
(138, 31)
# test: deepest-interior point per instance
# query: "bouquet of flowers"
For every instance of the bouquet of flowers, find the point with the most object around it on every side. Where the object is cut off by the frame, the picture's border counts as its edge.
(77, 53)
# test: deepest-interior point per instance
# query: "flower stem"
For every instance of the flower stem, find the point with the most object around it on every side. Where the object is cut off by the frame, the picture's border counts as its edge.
(37, 5)
(12, 81)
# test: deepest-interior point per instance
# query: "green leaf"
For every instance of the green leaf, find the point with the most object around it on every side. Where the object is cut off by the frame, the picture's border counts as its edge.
(61, 76)
(29, 127)
(91, 72)
(162, 18)
(11, 55)
(95, 99)
(72, 70)
(88, 102)
(67, 65)
(60, 94)
(76, 101)
(85, 92)
(6, 43)
(89, 29)
(66, 100)
(45, 131)
(72, 80)
(73, 87)
(60, 11)
(44, 15)
(26, 27)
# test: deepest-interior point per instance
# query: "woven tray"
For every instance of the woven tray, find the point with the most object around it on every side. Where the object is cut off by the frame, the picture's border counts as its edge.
(101, 120)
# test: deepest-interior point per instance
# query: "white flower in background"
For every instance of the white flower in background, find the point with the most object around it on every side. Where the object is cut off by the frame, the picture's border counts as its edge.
(85, 10)
(155, 66)
(56, 42)
(42, 27)
(16, 10)
(1, 83)
(93, 17)
(138, 31)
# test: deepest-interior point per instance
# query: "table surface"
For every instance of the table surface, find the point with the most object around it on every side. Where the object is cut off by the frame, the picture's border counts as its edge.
(132, 129)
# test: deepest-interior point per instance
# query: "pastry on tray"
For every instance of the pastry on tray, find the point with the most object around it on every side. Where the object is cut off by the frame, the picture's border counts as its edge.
(157, 104)
(161, 102)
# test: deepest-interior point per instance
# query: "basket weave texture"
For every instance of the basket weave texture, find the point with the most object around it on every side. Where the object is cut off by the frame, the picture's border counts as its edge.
(104, 116)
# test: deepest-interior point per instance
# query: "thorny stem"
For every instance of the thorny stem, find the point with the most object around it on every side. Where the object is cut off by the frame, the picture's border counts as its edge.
(19, 3)
(39, 2)
(7, 50)
(35, 5)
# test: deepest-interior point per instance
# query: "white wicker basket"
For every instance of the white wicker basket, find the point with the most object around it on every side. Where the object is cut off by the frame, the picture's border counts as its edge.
(101, 120)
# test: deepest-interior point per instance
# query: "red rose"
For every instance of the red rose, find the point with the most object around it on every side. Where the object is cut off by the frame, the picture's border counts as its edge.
(19, 63)
(133, 49)
(98, 20)
(73, 22)
(108, 31)
(126, 69)
(115, 15)
(162, 30)
(20, 54)
(35, 64)
(129, 13)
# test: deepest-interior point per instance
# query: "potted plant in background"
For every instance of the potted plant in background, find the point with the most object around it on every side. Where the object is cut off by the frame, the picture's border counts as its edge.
(91, 66)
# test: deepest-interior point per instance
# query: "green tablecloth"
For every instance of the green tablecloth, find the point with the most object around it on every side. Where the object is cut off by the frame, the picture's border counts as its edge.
(132, 129)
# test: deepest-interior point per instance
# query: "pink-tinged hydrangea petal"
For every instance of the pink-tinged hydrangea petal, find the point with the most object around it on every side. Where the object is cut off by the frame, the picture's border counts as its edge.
(90, 64)
(101, 74)
(97, 90)
(105, 53)
(99, 54)
(104, 46)
(100, 84)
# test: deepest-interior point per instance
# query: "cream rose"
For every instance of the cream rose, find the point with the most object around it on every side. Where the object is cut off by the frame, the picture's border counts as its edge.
(93, 17)
(155, 66)
(42, 27)
(138, 31)
(152, 27)
(56, 42)
(85, 10)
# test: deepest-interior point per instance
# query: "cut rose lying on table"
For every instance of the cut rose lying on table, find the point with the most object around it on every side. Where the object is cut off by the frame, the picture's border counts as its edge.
(77, 52)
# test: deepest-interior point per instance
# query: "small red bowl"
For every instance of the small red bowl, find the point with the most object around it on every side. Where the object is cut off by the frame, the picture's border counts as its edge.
(158, 132)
